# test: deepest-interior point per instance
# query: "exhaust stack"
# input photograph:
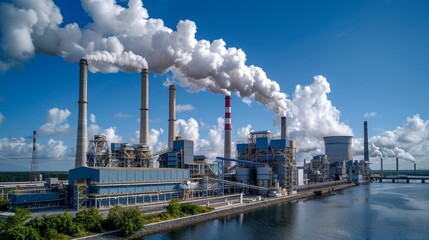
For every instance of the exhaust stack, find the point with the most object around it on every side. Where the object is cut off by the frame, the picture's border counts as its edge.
(172, 116)
(415, 169)
(397, 167)
(82, 131)
(365, 142)
(283, 128)
(144, 109)
(381, 161)
(228, 130)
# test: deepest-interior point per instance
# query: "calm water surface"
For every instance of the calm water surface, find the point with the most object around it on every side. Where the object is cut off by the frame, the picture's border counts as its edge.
(372, 211)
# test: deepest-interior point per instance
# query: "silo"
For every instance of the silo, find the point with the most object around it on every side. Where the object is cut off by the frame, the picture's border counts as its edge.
(338, 148)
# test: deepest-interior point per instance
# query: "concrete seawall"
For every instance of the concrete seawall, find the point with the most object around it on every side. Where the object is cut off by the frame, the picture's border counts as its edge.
(216, 214)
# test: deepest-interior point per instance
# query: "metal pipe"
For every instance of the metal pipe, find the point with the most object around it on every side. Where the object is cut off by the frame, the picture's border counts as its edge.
(365, 142)
(381, 161)
(228, 129)
(144, 110)
(82, 131)
(172, 116)
(283, 128)
(415, 169)
(397, 167)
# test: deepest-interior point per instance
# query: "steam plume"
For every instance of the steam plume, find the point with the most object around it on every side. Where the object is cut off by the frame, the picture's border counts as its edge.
(126, 39)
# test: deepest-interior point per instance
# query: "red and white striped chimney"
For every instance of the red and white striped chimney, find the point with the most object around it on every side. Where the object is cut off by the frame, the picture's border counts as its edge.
(228, 129)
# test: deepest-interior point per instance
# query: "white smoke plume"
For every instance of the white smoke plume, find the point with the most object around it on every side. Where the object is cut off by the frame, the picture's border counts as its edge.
(126, 39)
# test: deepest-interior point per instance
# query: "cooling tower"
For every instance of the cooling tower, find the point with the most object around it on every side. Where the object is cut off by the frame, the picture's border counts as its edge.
(338, 148)
(228, 130)
(283, 128)
(172, 116)
(365, 142)
(144, 110)
(82, 135)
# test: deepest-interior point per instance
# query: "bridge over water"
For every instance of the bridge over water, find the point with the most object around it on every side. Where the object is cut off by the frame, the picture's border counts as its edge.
(399, 178)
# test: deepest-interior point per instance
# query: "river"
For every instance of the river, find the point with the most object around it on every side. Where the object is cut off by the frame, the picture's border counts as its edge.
(369, 211)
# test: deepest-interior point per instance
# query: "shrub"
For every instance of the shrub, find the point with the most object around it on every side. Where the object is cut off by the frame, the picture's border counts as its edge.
(21, 233)
(127, 220)
(89, 219)
(174, 208)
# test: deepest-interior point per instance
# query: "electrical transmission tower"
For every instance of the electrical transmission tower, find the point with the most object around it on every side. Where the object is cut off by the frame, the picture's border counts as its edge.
(34, 171)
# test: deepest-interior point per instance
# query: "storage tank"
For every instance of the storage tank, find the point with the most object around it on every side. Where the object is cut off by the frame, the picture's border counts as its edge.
(338, 148)
(243, 175)
(263, 176)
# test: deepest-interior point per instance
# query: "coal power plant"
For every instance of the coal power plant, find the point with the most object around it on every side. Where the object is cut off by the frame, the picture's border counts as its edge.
(132, 174)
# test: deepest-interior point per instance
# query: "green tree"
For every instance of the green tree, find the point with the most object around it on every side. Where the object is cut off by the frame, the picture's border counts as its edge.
(174, 208)
(21, 233)
(127, 220)
(4, 204)
(89, 219)
(52, 227)
(115, 218)
(134, 221)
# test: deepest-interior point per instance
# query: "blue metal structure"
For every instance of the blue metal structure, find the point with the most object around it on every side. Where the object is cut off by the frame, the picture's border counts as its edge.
(105, 187)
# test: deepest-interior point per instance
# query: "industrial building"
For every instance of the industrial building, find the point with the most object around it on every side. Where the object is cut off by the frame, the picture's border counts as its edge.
(126, 173)
(105, 187)
(277, 153)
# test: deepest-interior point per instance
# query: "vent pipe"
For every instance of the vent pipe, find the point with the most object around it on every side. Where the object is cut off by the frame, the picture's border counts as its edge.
(283, 128)
(144, 110)
(172, 116)
(397, 167)
(415, 169)
(365, 142)
(228, 130)
(82, 131)
(381, 161)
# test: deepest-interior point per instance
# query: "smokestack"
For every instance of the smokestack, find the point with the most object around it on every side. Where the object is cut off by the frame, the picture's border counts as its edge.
(228, 129)
(34, 170)
(397, 167)
(381, 166)
(365, 142)
(172, 115)
(415, 169)
(144, 110)
(283, 128)
(82, 132)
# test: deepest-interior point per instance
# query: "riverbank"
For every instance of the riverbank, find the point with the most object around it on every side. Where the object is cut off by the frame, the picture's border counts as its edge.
(219, 212)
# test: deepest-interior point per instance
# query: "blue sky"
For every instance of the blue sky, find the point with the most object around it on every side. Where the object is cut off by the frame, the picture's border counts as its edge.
(359, 60)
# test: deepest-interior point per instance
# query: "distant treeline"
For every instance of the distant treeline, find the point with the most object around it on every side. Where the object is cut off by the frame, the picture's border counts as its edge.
(25, 176)
(403, 172)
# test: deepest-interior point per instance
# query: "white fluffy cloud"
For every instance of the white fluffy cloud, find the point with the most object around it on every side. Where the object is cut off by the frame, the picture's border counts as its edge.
(370, 114)
(22, 148)
(125, 38)
(243, 133)
(184, 107)
(56, 122)
(109, 133)
(311, 116)
(211, 146)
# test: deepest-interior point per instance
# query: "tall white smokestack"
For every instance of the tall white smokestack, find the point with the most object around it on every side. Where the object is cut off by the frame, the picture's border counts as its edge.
(82, 132)
(172, 115)
(144, 110)
(228, 129)
(283, 128)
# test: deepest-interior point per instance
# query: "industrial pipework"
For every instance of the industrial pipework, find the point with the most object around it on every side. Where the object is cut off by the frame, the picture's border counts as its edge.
(172, 116)
(82, 131)
(228, 130)
(144, 110)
